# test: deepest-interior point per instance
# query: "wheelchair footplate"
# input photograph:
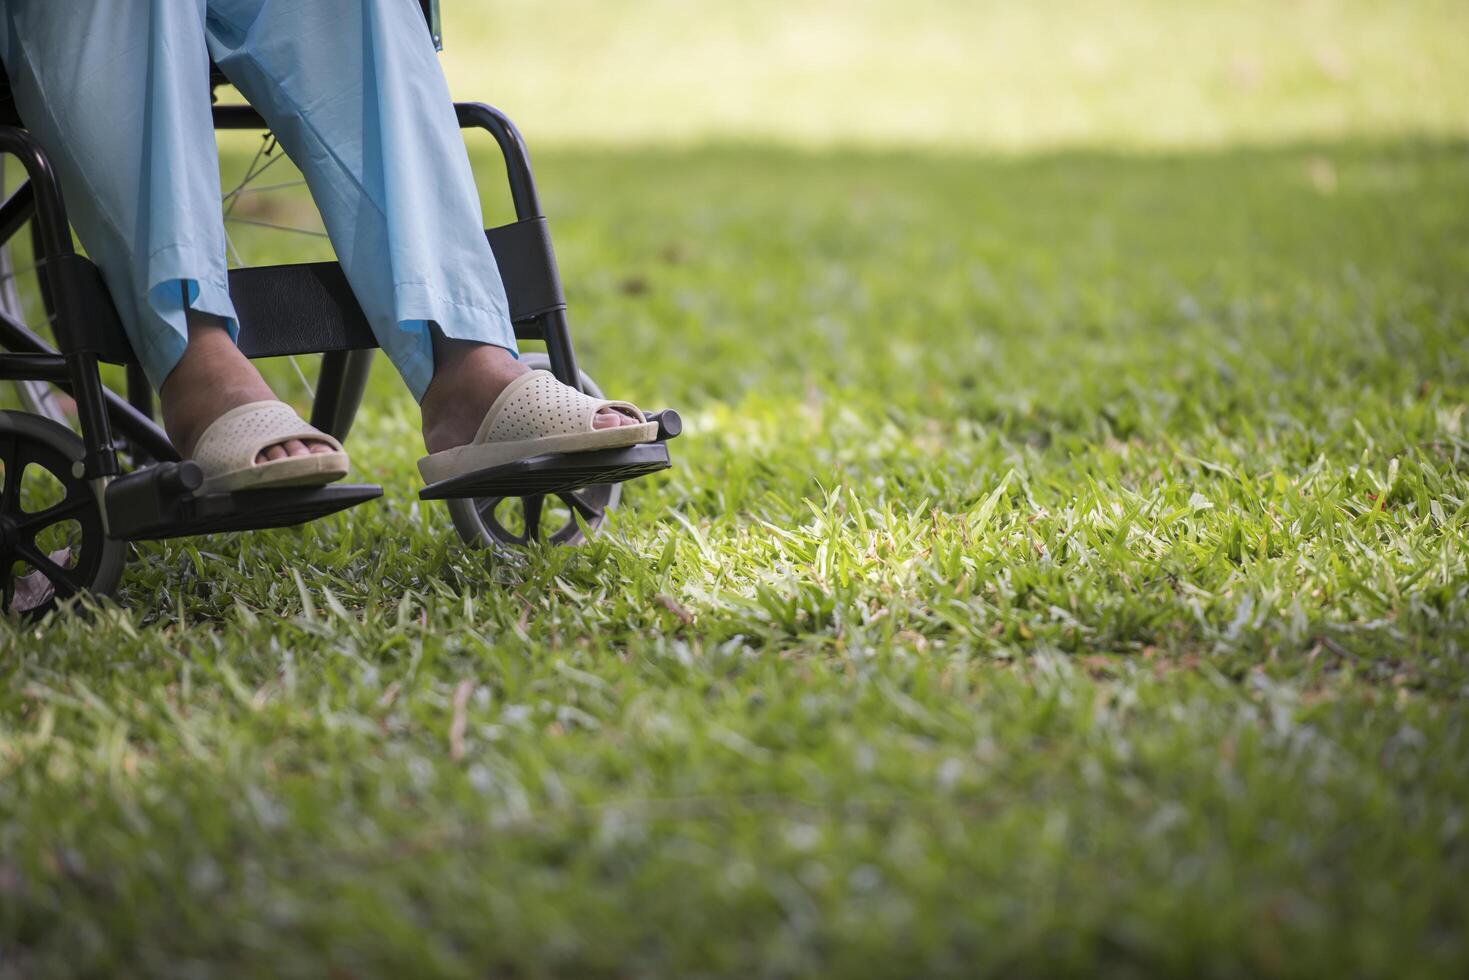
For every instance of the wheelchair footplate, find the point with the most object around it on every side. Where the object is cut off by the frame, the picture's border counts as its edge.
(555, 473)
(160, 502)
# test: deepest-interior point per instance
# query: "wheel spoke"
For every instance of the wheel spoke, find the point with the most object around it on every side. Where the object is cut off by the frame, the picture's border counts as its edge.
(234, 252)
(532, 509)
(272, 224)
(80, 558)
(497, 530)
(486, 507)
(55, 513)
(580, 504)
(242, 189)
(265, 149)
(59, 577)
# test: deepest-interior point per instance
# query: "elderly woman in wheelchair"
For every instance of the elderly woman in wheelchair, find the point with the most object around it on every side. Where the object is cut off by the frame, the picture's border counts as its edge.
(116, 108)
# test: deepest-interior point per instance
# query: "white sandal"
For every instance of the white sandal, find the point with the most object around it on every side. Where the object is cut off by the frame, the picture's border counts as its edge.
(227, 450)
(537, 414)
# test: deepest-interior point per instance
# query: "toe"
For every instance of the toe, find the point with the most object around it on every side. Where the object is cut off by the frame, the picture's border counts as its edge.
(611, 418)
(289, 448)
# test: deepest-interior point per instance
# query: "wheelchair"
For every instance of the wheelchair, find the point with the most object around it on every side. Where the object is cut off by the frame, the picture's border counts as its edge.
(83, 479)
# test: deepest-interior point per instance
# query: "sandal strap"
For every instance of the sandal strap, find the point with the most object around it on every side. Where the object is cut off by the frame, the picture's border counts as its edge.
(232, 441)
(535, 405)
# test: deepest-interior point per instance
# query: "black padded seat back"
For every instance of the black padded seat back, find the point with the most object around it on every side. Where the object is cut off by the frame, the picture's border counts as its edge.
(309, 307)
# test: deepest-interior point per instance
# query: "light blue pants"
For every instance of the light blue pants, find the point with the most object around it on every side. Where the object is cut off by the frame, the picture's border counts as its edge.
(117, 93)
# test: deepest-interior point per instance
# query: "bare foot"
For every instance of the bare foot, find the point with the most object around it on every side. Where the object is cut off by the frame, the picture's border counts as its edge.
(210, 379)
(468, 377)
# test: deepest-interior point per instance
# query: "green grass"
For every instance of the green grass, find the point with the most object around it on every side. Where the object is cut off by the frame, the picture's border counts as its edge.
(1063, 571)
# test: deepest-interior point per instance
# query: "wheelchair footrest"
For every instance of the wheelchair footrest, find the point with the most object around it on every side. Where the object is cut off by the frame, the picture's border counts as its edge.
(554, 473)
(153, 503)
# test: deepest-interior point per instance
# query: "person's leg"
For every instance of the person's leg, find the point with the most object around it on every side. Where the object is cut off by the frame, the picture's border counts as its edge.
(353, 91)
(117, 92)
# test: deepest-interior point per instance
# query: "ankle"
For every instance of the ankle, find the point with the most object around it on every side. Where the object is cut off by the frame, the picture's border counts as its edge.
(465, 371)
(211, 377)
(453, 358)
(468, 377)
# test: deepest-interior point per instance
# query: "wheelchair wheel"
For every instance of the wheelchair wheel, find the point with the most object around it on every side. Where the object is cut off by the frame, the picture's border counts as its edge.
(490, 521)
(52, 544)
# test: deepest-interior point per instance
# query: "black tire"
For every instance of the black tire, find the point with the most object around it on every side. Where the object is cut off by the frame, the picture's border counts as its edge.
(496, 521)
(61, 546)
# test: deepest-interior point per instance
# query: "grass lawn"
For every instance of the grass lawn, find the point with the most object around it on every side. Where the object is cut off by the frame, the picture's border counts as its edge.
(1063, 571)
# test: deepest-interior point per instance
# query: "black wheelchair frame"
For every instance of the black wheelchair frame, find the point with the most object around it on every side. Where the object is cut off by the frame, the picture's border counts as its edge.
(283, 310)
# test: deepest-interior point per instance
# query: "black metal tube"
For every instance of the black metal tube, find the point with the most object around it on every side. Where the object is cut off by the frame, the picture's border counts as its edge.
(558, 348)
(17, 210)
(553, 326)
(140, 390)
(15, 336)
(339, 389)
(50, 217)
(523, 193)
(33, 367)
(90, 397)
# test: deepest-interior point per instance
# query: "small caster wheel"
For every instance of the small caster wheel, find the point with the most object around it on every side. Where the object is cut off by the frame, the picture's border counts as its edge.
(51, 541)
(490, 521)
